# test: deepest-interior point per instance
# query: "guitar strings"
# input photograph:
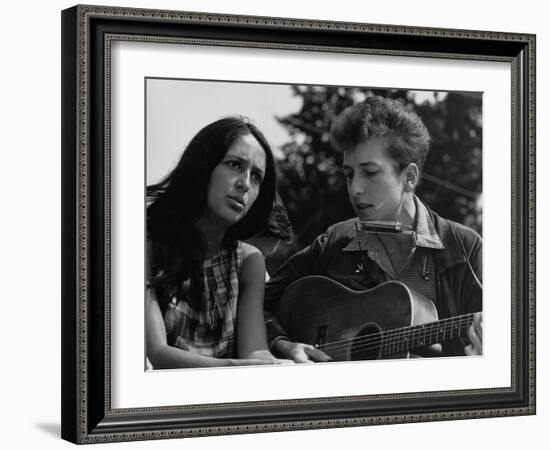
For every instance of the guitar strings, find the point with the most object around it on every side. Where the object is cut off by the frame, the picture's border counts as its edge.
(388, 346)
(396, 336)
(393, 338)
(411, 329)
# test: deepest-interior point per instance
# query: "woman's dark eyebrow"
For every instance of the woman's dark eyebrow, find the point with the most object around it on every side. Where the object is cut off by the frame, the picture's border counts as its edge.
(247, 160)
(237, 157)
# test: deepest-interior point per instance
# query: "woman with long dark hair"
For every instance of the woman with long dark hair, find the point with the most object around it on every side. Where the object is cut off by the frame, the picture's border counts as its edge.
(205, 286)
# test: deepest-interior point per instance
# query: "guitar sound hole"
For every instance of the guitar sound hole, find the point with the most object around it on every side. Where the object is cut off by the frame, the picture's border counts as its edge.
(365, 347)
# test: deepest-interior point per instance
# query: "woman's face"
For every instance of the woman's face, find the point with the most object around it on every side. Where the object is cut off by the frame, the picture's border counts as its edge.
(235, 182)
(375, 188)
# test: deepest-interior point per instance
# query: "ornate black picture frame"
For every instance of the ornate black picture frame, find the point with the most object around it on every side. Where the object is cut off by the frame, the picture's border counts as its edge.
(87, 35)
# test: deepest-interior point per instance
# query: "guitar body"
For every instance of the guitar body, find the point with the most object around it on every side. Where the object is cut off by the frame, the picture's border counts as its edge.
(319, 311)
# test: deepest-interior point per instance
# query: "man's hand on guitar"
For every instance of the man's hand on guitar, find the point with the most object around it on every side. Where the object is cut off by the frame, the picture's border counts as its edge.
(300, 353)
(475, 334)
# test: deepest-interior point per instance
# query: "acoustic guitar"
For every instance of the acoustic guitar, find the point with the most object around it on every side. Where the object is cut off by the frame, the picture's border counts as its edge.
(387, 321)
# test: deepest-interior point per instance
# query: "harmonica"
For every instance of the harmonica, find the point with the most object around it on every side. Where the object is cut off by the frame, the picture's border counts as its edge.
(382, 226)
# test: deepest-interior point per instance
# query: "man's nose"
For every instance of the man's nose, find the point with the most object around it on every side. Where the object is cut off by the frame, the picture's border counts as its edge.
(356, 187)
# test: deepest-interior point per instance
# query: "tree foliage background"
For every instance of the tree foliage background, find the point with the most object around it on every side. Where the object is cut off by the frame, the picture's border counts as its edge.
(312, 184)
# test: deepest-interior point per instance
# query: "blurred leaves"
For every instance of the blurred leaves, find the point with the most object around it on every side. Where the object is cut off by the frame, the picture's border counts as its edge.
(313, 187)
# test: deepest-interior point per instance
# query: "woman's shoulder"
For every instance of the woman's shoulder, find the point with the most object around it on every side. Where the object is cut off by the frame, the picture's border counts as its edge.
(240, 254)
(253, 264)
(248, 250)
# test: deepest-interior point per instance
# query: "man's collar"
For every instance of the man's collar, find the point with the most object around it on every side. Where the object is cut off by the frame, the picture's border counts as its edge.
(426, 235)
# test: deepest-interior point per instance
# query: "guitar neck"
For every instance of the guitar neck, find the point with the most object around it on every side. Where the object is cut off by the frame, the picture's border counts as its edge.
(417, 336)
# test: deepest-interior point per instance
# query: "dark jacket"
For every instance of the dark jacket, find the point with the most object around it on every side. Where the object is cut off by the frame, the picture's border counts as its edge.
(458, 291)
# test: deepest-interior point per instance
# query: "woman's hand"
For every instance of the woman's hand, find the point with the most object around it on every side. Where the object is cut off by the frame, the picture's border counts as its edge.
(475, 333)
(267, 357)
(249, 362)
(300, 353)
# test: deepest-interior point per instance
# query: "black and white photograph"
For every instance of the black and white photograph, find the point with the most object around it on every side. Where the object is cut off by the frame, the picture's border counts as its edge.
(297, 223)
(281, 224)
(275, 225)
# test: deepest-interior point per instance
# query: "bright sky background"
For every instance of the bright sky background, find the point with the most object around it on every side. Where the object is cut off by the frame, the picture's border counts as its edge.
(178, 109)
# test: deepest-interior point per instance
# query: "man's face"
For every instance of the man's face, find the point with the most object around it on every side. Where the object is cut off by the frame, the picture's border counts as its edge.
(376, 189)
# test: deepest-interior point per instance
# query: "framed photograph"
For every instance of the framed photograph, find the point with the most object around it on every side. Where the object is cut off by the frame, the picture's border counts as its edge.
(142, 88)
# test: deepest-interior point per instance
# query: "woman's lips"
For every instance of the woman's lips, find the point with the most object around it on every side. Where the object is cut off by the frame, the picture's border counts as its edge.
(237, 202)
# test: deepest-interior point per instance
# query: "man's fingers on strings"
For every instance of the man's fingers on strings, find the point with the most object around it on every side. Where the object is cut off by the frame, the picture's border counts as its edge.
(317, 355)
(478, 324)
(475, 342)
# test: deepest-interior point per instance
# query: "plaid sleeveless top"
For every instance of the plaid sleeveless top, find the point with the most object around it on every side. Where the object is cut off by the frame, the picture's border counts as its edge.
(210, 330)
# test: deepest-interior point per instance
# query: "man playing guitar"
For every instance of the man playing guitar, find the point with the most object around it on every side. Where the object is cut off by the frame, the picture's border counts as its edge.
(394, 236)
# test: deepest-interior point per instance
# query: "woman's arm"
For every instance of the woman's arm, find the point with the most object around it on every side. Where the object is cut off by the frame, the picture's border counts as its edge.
(164, 356)
(251, 334)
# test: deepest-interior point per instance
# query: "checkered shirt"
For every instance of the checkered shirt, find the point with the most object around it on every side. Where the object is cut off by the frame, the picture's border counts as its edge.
(418, 273)
(209, 331)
